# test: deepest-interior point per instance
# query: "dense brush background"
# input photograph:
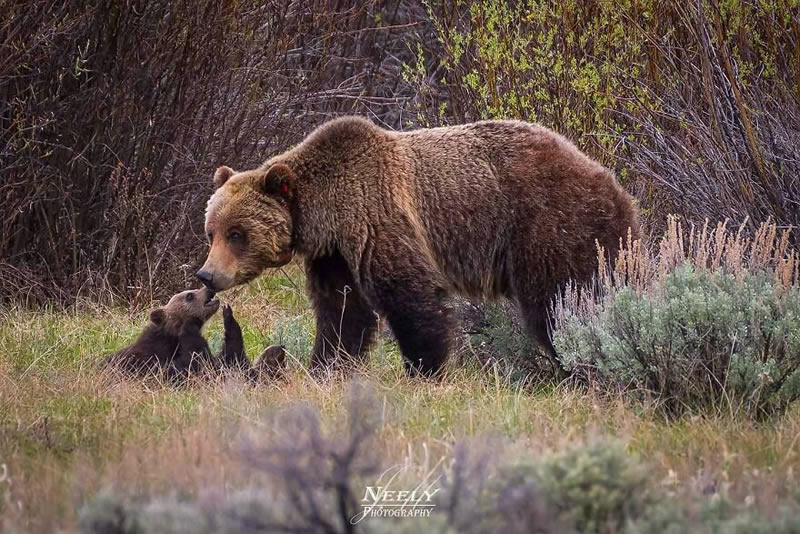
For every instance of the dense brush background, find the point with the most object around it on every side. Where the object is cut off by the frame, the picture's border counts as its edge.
(681, 414)
(113, 115)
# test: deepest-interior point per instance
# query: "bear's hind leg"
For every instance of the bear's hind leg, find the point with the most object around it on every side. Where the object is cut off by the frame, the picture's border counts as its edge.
(533, 295)
(346, 324)
(537, 320)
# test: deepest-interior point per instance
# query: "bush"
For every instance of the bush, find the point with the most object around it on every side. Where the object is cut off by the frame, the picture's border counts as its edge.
(479, 497)
(696, 104)
(296, 334)
(500, 342)
(787, 521)
(312, 479)
(713, 517)
(704, 337)
(113, 117)
(596, 488)
(106, 513)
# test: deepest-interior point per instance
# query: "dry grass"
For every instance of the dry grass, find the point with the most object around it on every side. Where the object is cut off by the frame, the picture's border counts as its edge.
(68, 431)
(716, 248)
(144, 442)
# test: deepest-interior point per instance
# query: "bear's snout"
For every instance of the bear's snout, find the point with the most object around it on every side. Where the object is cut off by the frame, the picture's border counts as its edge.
(207, 278)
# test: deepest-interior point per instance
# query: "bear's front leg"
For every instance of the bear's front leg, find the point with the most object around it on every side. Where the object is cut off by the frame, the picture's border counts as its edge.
(232, 355)
(409, 293)
(193, 355)
(346, 323)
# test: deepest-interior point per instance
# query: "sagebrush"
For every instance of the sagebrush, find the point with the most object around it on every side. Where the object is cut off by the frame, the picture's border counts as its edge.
(709, 324)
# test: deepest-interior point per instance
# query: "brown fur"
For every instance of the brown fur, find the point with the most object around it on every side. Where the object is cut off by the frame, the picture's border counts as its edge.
(173, 343)
(270, 365)
(494, 208)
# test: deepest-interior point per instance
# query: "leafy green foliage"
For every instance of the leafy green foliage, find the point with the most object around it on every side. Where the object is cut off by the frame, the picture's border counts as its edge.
(296, 334)
(596, 488)
(695, 104)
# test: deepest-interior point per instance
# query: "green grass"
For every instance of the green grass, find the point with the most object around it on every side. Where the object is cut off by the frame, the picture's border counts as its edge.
(68, 431)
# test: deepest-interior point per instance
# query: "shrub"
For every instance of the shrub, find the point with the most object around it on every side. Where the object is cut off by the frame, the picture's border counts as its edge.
(311, 478)
(113, 117)
(709, 325)
(106, 513)
(478, 495)
(593, 487)
(787, 521)
(502, 343)
(169, 516)
(669, 517)
(596, 488)
(696, 104)
(296, 334)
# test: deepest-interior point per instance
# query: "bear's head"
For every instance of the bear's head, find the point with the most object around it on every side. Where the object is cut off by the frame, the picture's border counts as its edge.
(187, 309)
(248, 225)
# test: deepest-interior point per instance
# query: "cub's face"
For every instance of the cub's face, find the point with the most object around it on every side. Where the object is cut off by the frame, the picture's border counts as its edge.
(248, 225)
(195, 307)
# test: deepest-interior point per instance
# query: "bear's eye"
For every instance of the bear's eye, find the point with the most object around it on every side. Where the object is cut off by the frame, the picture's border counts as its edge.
(235, 235)
(210, 237)
(189, 297)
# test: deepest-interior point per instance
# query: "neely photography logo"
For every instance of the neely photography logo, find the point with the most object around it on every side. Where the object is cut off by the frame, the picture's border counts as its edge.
(387, 499)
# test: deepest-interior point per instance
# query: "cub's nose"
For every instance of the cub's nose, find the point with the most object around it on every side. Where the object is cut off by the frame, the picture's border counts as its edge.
(206, 277)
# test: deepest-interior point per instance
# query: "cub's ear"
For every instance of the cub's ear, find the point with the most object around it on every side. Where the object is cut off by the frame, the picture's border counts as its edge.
(279, 181)
(222, 175)
(158, 316)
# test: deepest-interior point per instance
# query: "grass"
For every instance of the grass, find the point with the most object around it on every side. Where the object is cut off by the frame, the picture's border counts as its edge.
(67, 431)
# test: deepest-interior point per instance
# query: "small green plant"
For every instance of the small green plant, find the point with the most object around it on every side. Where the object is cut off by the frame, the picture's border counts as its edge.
(596, 488)
(296, 334)
(501, 340)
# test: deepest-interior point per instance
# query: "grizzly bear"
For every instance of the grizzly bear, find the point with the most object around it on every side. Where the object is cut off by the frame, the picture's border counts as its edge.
(392, 223)
(173, 342)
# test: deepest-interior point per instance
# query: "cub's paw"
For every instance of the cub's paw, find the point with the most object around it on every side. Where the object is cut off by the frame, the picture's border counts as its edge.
(270, 365)
(227, 315)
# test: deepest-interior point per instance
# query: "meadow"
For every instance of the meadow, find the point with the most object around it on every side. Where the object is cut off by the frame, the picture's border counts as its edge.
(681, 414)
(82, 450)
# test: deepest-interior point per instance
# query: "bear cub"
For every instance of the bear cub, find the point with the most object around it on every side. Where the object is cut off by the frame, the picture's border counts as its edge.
(173, 343)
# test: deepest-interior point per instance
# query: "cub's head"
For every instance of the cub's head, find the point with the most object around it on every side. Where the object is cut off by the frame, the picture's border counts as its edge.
(248, 225)
(187, 308)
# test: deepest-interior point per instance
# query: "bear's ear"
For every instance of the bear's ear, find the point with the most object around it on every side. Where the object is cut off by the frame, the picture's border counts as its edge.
(158, 316)
(279, 182)
(222, 175)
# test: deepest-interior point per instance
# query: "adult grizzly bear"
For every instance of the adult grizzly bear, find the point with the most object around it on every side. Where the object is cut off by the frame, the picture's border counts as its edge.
(394, 222)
